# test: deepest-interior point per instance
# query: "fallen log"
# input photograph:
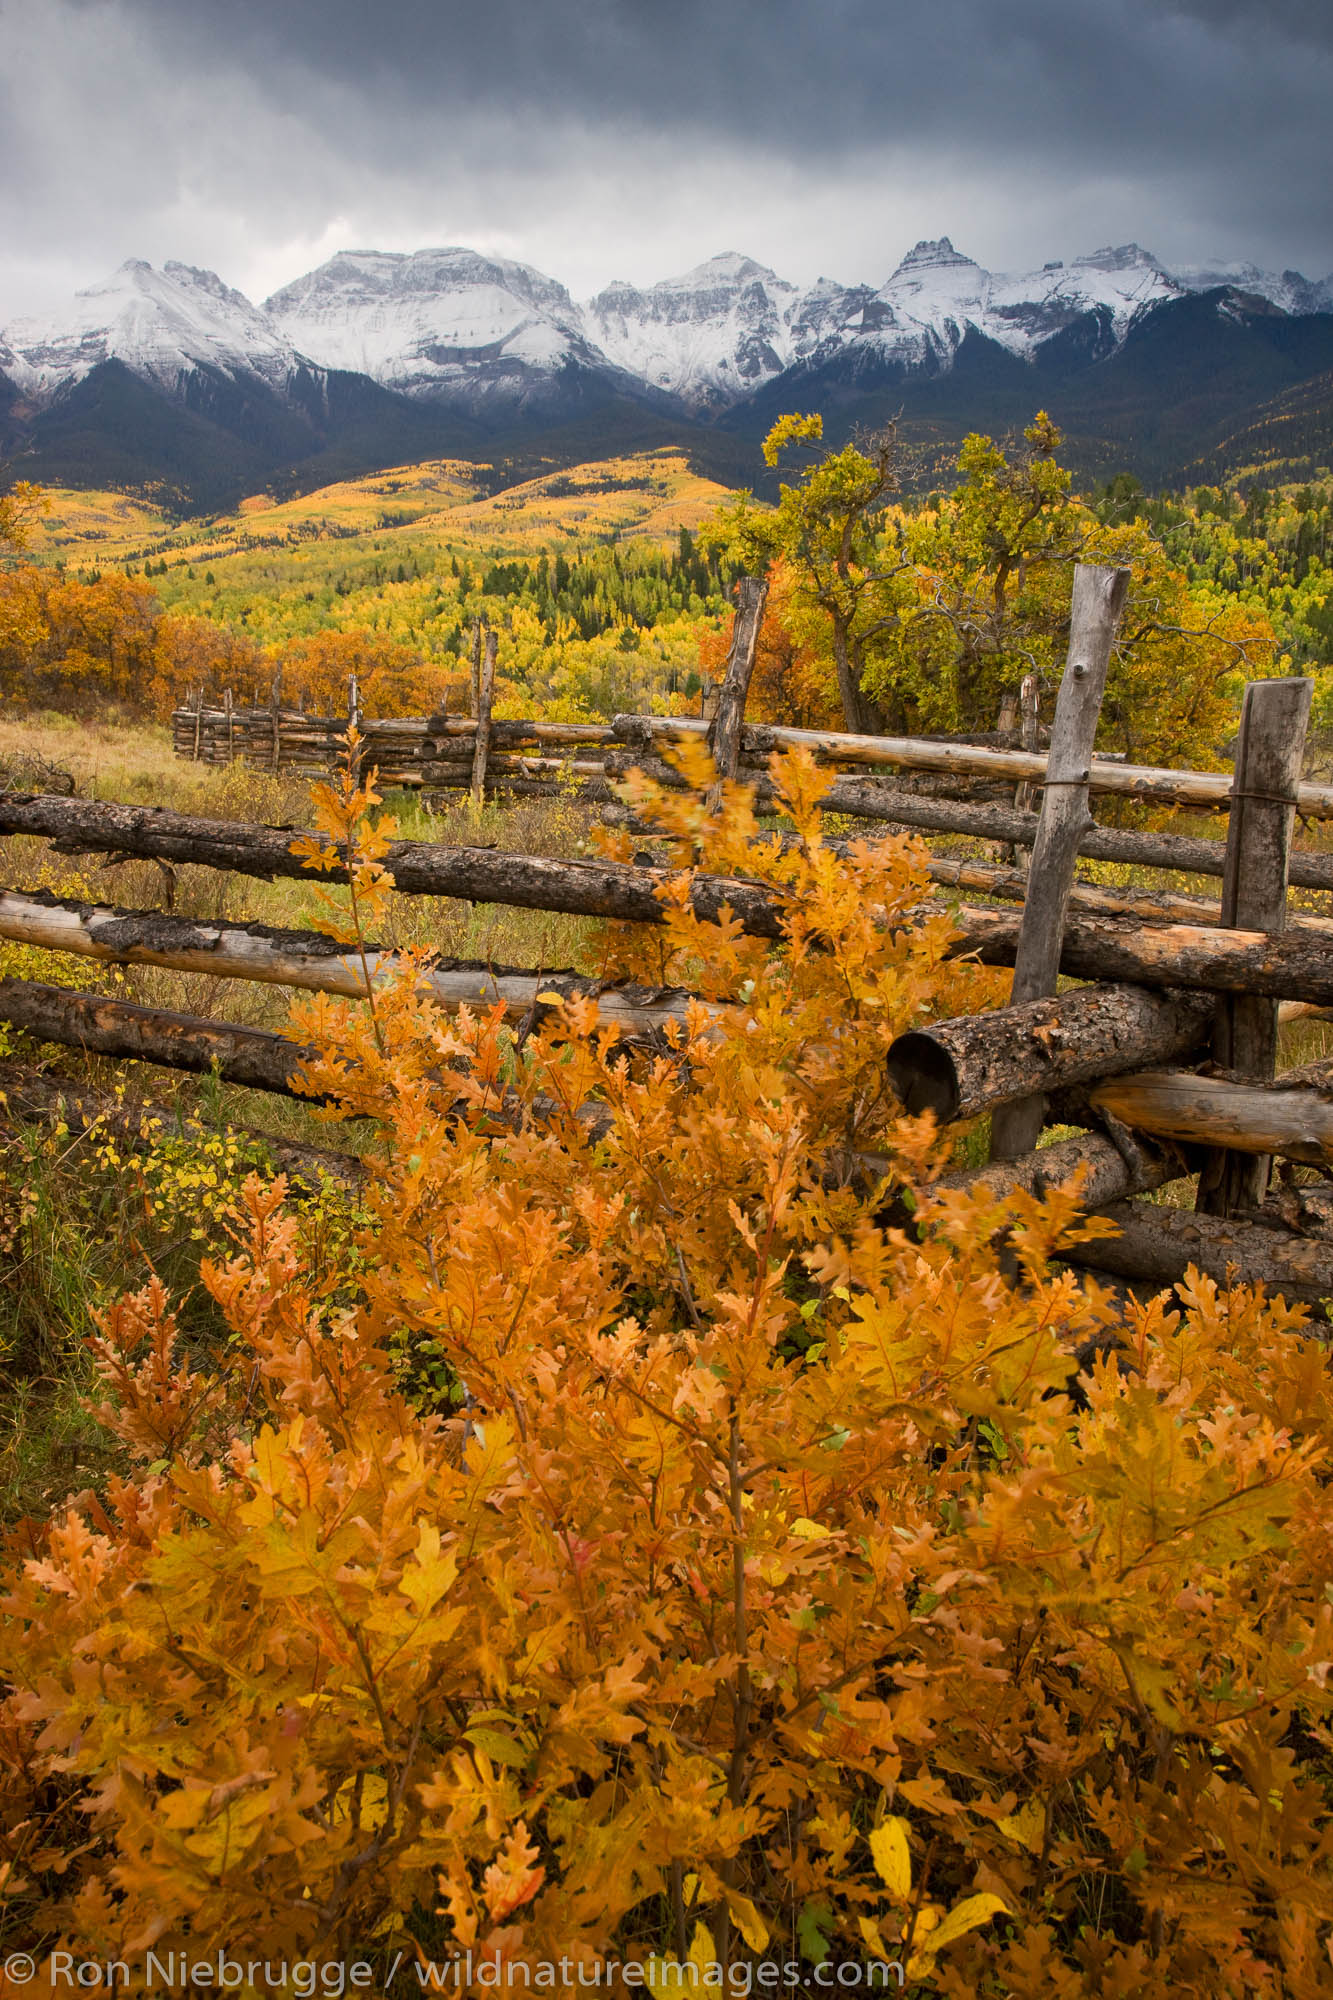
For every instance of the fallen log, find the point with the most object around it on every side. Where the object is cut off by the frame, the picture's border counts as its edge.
(1205, 789)
(1108, 1174)
(316, 964)
(511, 732)
(1150, 906)
(1292, 1116)
(861, 799)
(1294, 966)
(420, 868)
(1177, 852)
(255, 1058)
(962, 1068)
(1157, 1246)
(850, 795)
(1297, 965)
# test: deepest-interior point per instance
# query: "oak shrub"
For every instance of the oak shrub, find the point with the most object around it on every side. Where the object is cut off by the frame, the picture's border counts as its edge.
(786, 1583)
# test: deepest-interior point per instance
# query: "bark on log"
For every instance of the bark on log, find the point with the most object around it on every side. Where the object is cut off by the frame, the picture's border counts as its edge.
(254, 1057)
(1157, 1245)
(316, 964)
(418, 868)
(1173, 851)
(1099, 594)
(589, 791)
(1148, 906)
(1293, 1116)
(1207, 789)
(514, 730)
(1109, 1174)
(1294, 966)
(962, 1068)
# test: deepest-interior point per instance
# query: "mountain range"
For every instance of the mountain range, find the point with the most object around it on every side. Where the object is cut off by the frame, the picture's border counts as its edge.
(173, 381)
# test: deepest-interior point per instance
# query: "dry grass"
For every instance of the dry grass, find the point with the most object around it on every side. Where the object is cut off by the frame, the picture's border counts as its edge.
(133, 763)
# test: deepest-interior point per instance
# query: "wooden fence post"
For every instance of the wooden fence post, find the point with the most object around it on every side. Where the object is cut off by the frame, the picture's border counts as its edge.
(485, 694)
(1099, 595)
(198, 724)
(724, 732)
(275, 719)
(1269, 751)
(354, 722)
(231, 728)
(477, 624)
(1029, 702)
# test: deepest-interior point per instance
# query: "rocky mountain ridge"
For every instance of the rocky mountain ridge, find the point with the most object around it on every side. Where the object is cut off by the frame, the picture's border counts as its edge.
(173, 376)
(454, 325)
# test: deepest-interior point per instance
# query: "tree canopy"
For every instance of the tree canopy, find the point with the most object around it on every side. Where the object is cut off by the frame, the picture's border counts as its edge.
(926, 619)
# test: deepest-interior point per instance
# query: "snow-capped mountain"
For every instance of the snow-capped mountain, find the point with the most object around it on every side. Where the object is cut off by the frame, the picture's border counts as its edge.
(486, 333)
(707, 337)
(1287, 290)
(379, 357)
(919, 318)
(160, 324)
(436, 323)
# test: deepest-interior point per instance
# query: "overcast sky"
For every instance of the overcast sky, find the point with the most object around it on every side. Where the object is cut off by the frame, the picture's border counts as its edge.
(633, 138)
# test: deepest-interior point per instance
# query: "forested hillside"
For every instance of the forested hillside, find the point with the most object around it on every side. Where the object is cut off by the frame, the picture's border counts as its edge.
(608, 588)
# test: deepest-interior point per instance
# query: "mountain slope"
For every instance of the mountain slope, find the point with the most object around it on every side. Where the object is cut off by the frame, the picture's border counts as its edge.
(484, 333)
(173, 380)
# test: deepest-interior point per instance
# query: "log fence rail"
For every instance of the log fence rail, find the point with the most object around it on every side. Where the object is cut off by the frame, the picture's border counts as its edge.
(1162, 1061)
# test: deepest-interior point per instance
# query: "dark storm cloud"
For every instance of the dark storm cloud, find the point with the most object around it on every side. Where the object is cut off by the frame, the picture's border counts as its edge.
(789, 73)
(599, 137)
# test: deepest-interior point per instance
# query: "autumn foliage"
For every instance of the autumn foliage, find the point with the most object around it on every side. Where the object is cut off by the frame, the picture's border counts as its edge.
(805, 1569)
(793, 682)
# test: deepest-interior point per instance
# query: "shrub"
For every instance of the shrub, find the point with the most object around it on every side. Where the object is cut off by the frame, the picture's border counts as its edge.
(781, 1589)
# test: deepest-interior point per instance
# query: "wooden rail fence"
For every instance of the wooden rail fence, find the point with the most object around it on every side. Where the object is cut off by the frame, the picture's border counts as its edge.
(1163, 1063)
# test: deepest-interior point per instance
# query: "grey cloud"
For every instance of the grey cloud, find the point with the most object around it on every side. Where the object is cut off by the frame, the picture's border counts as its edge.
(782, 73)
(599, 136)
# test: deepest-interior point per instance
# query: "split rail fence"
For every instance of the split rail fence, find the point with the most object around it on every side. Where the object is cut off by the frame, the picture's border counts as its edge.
(1163, 1063)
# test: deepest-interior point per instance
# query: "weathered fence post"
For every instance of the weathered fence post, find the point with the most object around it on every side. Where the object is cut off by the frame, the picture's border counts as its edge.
(724, 732)
(485, 693)
(1254, 898)
(1029, 702)
(231, 736)
(198, 723)
(1099, 595)
(477, 624)
(354, 722)
(275, 719)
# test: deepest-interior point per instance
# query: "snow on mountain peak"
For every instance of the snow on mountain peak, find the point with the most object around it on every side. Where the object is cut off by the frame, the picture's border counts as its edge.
(429, 321)
(707, 336)
(452, 322)
(160, 324)
(931, 253)
(1124, 257)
